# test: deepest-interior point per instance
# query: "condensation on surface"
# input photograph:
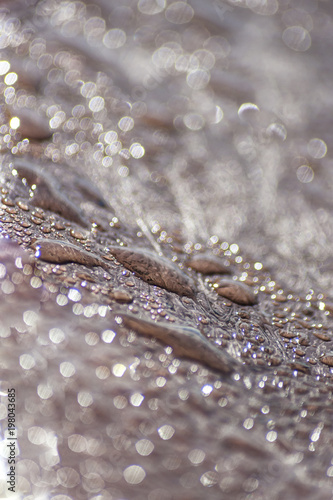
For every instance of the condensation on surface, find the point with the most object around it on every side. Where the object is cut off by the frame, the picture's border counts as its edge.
(194, 132)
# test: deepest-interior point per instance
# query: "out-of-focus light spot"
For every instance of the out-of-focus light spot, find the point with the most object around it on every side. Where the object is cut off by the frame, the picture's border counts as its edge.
(194, 121)
(271, 436)
(114, 39)
(118, 370)
(185, 63)
(72, 149)
(198, 79)
(123, 171)
(120, 402)
(62, 300)
(90, 311)
(305, 174)
(36, 282)
(114, 148)
(248, 423)
(151, 7)
(166, 432)
(278, 130)
(78, 309)
(91, 338)
(297, 38)
(247, 109)
(96, 104)
(258, 266)
(183, 394)
(27, 361)
(126, 123)
(4, 67)
(2, 271)
(102, 372)
(317, 148)
(209, 478)
(330, 471)
(88, 90)
(234, 248)
(14, 123)
(218, 115)
(84, 399)
(107, 161)
(108, 336)
(196, 456)
(30, 318)
(67, 369)
(263, 7)
(77, 443)
(164, 57)
(144, 447)
(68, 477)
(136, 399)
(44, 391)
(56, 335)
(74, 295)
(218, 45)
(110, 136)
(179, 13)
(134, 474)
(204, 58)
(37, 435)
(315, 435)
(136, 150)
(250, 484)
(7, 287)
(160, 381)
(55, 122)
(10, 78)
(206, 390)
(213, 239)
(102, 310)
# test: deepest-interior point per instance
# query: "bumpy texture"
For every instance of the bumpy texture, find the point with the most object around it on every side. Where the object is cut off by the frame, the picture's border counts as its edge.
(149, 149)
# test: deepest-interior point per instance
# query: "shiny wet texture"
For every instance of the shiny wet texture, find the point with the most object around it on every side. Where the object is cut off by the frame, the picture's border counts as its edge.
(189, 139)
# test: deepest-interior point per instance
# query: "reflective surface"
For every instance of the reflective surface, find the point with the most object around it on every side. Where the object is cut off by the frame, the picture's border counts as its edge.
(161, 146)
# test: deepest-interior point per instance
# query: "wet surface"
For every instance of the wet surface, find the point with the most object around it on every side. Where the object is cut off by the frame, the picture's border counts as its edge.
(148, 150)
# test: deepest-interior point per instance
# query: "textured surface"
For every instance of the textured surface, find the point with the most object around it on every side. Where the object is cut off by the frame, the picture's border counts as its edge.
(152, 135)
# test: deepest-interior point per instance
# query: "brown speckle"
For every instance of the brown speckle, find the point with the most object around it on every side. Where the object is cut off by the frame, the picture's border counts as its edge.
(207, 264)
(326, 360)
(58, 251)
(154, 270)
(237, 292)
(186, 342)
